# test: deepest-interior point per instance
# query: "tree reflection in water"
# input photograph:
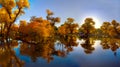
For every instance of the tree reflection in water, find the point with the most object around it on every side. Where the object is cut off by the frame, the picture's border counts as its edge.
(8, 57)
(108, 43)
(88, 45)
(69, 42)
(47, 50)
(44, 50)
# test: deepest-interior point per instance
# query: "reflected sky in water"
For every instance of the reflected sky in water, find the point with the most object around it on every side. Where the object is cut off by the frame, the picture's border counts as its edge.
(77, 58)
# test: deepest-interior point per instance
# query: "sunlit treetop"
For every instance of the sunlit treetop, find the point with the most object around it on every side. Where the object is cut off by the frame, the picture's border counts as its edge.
(115, 23)
(70, 20)
(11, 9)
(10, 4)
(89, 20)
(52, 19)
(35, 19)
(49, 12)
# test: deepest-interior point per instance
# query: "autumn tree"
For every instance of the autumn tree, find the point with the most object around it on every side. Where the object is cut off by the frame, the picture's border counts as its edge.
(88, 27)
(52, 20)
(104, 28)
(111, 28)
(45, 50)
(115, 26)
(10, 10)
(68, 43)
(36, 30)
(14, 31)
(69, 27)
(108, 43)
(88, 45)
(8, 57)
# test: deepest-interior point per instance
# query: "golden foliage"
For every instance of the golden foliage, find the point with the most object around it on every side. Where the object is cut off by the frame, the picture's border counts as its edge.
(23, 3)
(51, 19)
(9, 11)
(88, 26)
(4, 17)
(49, 12)
(110, 29)
(36, 29)
(68, 27)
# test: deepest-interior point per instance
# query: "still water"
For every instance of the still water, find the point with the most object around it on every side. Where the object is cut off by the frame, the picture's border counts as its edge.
(85, 53)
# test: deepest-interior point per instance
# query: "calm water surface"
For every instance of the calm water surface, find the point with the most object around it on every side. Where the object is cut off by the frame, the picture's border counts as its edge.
(78, 56)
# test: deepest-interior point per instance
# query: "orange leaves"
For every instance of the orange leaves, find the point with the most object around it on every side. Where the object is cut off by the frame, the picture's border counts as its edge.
(9, 11)
(115, 23)
(9, 4)
(70, 19)
(23, 3)
(15, 27)
(36, 30)
(14, 31)
(33, 18)
(3, 15)
(42, 28)
(9, 7)
(68, 27)
(89, 21)
(111, 29)
(118, 28)
(62, 30)
(49, 12)
(57, 19)
(88, 26)
(22, 26)
(51, 19)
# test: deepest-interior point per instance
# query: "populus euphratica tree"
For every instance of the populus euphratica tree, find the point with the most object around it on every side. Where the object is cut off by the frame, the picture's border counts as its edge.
(10, 10)
(69, 27)
(88, 27)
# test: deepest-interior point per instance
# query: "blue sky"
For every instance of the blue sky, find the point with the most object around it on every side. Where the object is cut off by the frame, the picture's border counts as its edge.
(102, 10)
